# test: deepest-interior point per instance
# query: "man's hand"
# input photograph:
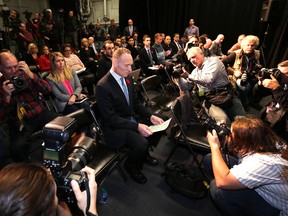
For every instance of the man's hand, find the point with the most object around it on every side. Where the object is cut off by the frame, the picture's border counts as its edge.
(144, 130)
(237, 73)
(271, 83)
(156, 120)
(25, 68)
(81, 196)
(8, 87)
(213, 140)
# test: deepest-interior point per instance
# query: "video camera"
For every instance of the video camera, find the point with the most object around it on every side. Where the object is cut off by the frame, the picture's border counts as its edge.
(66, 156)
(174, 66)
(19, 83)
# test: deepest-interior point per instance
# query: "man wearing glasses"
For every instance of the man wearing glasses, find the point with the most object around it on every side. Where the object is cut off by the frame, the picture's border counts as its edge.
(20, 104)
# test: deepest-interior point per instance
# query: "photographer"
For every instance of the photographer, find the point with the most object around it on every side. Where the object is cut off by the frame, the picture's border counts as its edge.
(241, 65)
(20, 104)
(258, 184)
(276, 113)
(211, 78)
(29, 189)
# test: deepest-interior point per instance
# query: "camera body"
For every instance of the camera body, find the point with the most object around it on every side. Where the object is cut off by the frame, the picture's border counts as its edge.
(19, 83)
(66, 156)
(265, 74)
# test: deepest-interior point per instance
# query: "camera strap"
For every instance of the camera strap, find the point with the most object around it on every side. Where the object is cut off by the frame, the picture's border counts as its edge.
(21, 113)
(86, 184)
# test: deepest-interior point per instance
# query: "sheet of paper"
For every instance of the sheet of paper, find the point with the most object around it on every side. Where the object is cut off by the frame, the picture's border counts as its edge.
(160, 127)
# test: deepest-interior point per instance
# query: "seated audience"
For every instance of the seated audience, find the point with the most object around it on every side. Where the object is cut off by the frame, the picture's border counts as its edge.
(65, 86)
(32, 55)
(105, 62)
(131, 47)
(30, 189)
(237, 45)
(148, 57)
(216, 47)
(43, 60)
(167, 47)
(88, 57)
(276, 114)
(257, 183)
(22, 107)
(87, 79)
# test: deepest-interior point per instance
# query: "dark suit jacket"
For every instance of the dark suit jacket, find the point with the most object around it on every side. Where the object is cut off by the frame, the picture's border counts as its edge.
(114, 110)
(126, 32)
(105, 65)
(145, 60)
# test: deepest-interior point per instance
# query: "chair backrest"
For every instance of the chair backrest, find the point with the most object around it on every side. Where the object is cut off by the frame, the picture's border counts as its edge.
(96, 122)
(151, 82)
(197, 132)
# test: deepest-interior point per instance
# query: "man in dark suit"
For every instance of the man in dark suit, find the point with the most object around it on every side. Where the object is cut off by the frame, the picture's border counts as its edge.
(130, 29)
(148, 58)
(105, 62)
(118, 107)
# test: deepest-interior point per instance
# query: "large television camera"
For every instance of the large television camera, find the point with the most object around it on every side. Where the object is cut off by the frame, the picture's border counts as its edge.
(66, 154)
(174, 65)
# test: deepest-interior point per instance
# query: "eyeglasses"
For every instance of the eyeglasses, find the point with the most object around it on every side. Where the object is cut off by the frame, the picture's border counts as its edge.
(67, 50)
(15, 67)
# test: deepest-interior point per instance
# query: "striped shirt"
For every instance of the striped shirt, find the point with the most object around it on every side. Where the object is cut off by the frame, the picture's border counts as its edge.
(267, 174)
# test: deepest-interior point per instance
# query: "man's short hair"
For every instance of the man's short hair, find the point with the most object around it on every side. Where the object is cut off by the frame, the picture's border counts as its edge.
(196, 50)
(283, 64)
(107, 42)
(119, 52)
(146, 36)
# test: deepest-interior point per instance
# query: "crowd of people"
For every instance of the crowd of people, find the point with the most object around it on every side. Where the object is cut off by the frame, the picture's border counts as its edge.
(79, 57)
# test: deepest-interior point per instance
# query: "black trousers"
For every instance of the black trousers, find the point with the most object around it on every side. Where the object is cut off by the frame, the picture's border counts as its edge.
(20, 141)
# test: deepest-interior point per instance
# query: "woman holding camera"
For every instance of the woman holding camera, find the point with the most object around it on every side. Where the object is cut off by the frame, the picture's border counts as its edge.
(258, 184)
(65, 86)
(30, 189)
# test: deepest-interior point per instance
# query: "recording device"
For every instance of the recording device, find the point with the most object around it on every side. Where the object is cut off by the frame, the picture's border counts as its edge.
(174, 66)
(251, 71)
(265, 74)
(18, 82)
(66, 156)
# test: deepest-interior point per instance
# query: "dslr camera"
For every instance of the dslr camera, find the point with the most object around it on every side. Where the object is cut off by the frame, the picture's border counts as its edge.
(66, 156)
(19, 83)
(265, 74)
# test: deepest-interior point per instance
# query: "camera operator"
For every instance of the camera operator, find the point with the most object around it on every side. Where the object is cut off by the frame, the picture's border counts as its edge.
(210, 76)
(258, 184)
(21, 105)
(276, 113)
(29, 189)
(241, 65)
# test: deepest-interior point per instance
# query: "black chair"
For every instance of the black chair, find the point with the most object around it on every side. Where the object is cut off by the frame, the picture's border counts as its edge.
(191, 133)
(154, 93)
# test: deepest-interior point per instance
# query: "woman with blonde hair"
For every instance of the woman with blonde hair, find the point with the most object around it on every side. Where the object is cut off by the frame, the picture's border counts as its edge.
(65, 86)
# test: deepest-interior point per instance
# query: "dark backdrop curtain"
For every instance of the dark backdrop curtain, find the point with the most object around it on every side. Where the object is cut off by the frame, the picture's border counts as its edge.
(229, 17)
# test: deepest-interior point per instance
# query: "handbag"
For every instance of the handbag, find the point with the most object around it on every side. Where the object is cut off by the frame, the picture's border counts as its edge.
(221, 97)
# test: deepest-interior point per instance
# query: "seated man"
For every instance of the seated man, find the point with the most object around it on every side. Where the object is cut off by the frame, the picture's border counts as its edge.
(21, 105)
(119, 109)
(210, 75)
(276, 114)
(104, 61)
(257, 185)
(241, 65)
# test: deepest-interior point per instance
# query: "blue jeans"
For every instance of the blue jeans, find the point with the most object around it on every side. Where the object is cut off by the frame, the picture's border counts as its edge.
(238, 202)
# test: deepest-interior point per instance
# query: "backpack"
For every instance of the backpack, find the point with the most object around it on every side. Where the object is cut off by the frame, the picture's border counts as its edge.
(186, 180)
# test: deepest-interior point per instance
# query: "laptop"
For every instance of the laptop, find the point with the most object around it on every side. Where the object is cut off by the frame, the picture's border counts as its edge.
(135, 75)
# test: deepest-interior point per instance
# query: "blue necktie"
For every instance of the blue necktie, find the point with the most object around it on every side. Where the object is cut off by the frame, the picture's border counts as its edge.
(125, 90)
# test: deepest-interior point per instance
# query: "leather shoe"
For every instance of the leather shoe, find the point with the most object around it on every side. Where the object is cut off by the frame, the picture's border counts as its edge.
(136, 175)
(151, 160)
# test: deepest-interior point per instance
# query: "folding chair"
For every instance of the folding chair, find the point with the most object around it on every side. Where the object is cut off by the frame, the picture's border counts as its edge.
(154, 93)
(191, 133)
